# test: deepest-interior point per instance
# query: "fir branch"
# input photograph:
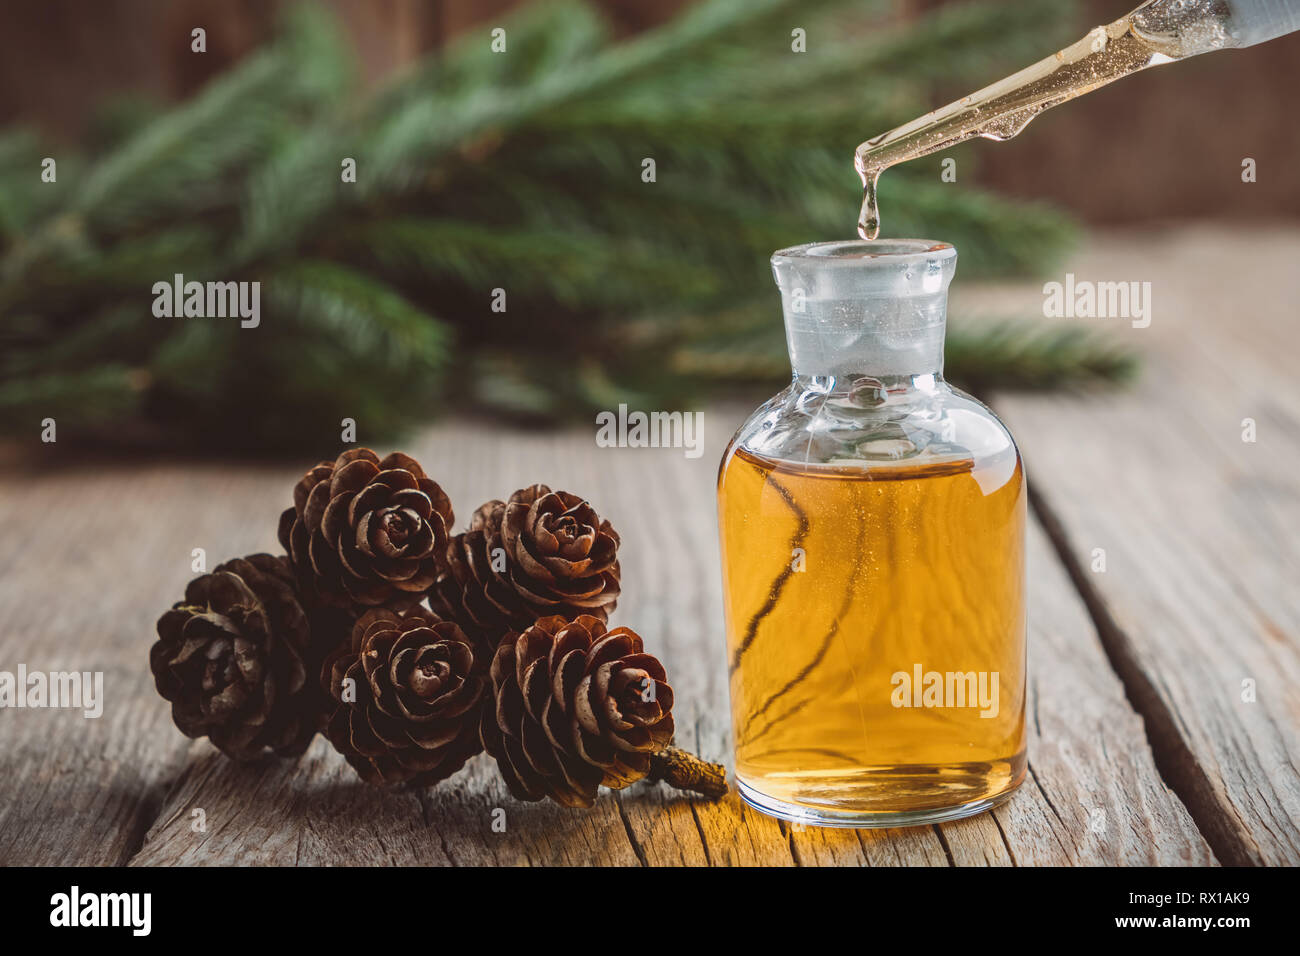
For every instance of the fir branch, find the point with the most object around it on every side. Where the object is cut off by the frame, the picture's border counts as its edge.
(97, 396)
(113, 335)
(1023, 354)
(361, 314)
(746, 346)
(475, 171)
(24, 198)
(574, 268)
(180, 162)
(74, 271)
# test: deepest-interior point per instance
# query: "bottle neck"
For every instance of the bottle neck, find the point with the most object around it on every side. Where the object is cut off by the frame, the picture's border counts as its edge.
(866, 310)
(866, 391)
(902, 355)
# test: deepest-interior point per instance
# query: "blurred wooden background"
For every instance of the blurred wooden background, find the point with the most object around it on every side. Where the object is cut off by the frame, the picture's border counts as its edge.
(1165, 145)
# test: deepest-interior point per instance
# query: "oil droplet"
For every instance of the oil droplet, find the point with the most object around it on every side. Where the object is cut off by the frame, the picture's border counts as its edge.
(869, 217)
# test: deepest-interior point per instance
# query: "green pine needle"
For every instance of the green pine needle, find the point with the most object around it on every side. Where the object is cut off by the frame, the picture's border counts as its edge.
(478, 172)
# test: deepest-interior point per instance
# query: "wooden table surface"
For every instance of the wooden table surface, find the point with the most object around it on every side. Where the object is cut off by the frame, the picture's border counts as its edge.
(1143, 747)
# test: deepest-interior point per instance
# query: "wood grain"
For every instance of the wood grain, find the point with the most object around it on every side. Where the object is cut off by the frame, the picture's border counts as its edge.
(89, 559)
(1198, 527)
(663, 505)
(1198, 594)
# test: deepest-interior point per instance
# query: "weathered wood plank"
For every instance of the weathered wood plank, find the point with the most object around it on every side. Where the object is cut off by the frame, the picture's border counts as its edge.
(1198, 595)
(1093, 796)
(663, 505)
(318, 813)
(88, 560)
(1163, 483)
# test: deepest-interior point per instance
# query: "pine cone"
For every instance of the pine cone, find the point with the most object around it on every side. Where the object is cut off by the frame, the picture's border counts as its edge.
(364, 532)
(233, 659)
(541, 553)
(410, 712)
(576, 707)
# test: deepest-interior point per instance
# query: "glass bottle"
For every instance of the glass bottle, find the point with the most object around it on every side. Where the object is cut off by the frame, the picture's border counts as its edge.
(872, 524)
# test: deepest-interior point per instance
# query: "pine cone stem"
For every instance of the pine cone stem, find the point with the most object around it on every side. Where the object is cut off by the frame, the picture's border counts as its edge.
(685, 771)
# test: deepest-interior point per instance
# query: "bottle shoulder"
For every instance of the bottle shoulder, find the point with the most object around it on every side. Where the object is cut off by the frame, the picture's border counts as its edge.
(938, 426)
